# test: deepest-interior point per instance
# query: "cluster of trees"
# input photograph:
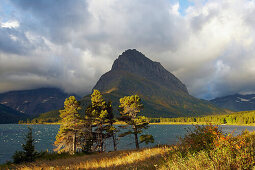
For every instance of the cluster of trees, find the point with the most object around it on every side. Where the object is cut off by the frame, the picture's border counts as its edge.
(244, 117)
(88, 133)
(48, 117)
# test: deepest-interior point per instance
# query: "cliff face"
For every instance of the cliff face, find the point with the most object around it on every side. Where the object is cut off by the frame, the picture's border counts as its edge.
(162, 94)
(134, 62)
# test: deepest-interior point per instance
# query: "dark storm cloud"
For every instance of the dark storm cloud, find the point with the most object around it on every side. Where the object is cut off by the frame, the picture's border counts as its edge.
(57, 19)
(70, 44)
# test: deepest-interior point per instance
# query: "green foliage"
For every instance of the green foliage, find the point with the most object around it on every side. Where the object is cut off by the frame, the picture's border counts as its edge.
(238, 118)
(101, 116)
(99, 108)
(130, 107)
(48, 117)
(29, 147)
(28, 154)
(147, 139)
(71, 129)
(19, 157)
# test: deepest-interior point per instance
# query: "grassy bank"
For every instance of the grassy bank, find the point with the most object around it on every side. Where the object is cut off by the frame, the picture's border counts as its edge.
(148, 158)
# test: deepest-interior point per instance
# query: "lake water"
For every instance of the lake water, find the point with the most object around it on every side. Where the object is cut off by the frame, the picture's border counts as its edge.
(12, 136)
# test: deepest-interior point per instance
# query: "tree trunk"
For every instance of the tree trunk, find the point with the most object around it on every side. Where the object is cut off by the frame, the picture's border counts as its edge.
(136, 138)
(114, 142)
(101, 139)
(114, 139)
(91, 138)
(74, 143)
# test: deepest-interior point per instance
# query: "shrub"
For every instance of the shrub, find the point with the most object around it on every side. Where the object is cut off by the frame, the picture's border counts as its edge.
(19, 157)
(207, 147)
(201, 138)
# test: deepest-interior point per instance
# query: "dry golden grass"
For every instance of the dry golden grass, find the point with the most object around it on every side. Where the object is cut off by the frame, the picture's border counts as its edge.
(148, 158)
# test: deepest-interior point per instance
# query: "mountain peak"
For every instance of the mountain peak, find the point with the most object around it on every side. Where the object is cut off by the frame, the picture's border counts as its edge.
(132, 53)
(130, 59)
(134, 62)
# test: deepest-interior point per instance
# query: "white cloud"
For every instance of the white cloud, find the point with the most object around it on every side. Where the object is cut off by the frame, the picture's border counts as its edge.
(10, 24)
(69, 45)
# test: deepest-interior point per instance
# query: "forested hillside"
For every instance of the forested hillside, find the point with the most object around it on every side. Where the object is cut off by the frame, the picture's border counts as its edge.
(237, 118)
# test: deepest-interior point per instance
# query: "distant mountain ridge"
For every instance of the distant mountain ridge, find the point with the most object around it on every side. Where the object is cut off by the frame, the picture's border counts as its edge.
(9, 115)
(162, 94)
(236, 102)
(36, 101)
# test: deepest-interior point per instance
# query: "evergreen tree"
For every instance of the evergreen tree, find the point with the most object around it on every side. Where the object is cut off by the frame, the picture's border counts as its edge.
(112, 130)
(130, 107)
(28, 154)
(89, 136)
(99, 113)
(71, 130)
(29, 147)
(100, 126)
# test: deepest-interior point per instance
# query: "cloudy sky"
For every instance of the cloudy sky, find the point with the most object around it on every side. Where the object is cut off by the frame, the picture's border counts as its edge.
(207, 44)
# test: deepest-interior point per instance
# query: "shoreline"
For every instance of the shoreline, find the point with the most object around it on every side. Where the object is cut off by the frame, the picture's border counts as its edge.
(200, 123)
(159, 123)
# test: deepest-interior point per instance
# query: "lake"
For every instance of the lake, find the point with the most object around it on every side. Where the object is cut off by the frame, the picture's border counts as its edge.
(12, 137)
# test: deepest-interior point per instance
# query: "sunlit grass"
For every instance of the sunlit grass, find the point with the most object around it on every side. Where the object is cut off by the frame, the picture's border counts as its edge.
(148, 158)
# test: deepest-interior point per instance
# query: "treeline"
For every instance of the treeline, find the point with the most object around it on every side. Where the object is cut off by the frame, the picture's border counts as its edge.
(238, 118)
(88, 133)
(48, 117)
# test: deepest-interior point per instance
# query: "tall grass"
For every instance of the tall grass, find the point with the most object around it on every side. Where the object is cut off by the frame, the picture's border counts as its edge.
(148, 158)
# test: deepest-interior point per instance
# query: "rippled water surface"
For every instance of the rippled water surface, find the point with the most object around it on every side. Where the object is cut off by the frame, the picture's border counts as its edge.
(12, 136)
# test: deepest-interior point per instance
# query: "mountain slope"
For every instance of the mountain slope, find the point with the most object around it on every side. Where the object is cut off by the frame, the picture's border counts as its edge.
(237, 102)
(34, 102)
(163, 95)
(9, 115)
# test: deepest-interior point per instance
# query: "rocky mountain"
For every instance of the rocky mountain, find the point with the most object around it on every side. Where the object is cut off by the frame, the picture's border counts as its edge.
(236, 102)
(162, 94)
(36, 101)
(9, 115)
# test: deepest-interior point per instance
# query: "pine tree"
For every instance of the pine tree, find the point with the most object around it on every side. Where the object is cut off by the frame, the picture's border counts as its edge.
(29, 147)
(89, 137)
(101, 113)
(112, 130)
(69, 136)
(130, 107)
(28, 154)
